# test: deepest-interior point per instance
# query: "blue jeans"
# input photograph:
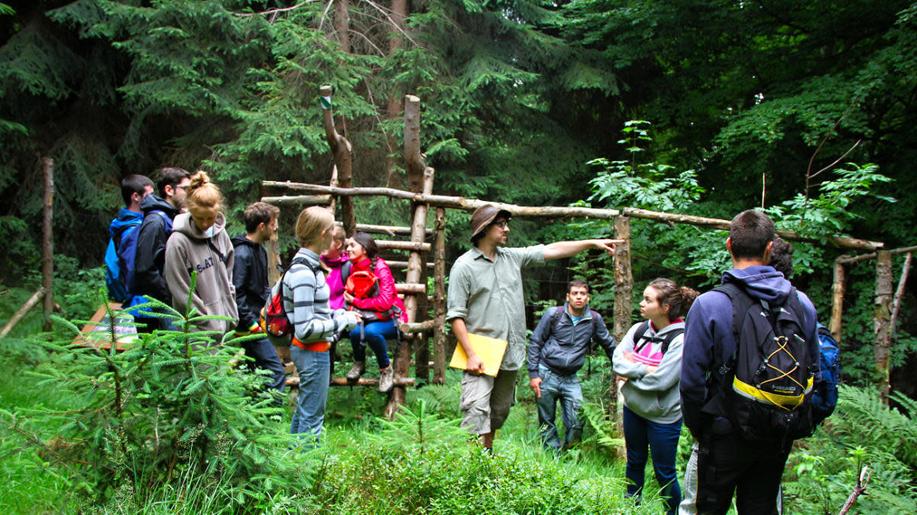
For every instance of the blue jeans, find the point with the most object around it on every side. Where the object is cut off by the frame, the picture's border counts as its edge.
(375, 334)
(265, 356)
(566, 389)
(314, 378)
(662, 440)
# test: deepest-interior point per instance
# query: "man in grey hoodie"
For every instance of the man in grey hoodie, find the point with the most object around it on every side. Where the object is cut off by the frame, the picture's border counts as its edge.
(556, 352)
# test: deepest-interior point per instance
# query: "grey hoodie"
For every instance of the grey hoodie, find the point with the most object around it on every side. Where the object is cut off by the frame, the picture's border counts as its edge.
(189, 249)
(653, 396)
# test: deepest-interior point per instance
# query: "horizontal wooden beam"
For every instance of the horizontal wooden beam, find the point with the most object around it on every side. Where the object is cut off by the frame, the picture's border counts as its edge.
(449, 201)
(849, 260)
(414, 288)
(391, 230)
(556, 212)
(402, 264)
(418, 327)
(298, 200)
(414, 246)
(293, 381)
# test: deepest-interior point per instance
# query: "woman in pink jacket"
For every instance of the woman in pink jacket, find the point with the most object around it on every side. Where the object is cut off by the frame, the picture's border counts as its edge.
(379, 305)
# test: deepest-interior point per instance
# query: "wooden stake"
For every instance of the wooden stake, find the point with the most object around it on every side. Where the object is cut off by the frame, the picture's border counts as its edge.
(47, 255)
(883, 303)
(418, 233)
(624, 287)
(26, 307)
(439, 298)
(838, 288)
(341, 149)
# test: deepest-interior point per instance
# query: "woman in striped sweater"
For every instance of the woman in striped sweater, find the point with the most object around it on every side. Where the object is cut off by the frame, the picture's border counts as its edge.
(305, 299)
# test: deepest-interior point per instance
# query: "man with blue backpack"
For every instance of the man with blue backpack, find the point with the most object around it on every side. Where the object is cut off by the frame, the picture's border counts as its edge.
(158, 213)
(751, 366)
(824, 396)
(123, 229)
(556, 352)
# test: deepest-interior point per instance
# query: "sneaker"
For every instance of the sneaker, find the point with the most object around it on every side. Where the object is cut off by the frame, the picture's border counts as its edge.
(386, 379)
(356, 371)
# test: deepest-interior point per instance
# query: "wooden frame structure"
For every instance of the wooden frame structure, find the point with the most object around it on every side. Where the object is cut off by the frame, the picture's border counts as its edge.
(414, 288)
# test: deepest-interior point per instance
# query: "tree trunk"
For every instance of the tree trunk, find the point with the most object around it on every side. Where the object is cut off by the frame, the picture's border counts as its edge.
(342, 23)
(393, 108)
(343, 159)
(837, 300)
(47, 239)
(882, 320)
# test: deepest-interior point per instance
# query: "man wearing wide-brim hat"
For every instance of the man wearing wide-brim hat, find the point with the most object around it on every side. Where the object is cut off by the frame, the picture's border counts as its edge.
(485, 298)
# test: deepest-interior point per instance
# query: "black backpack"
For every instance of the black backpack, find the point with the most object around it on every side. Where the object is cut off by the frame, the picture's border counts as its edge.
(641, 340)
(767, 383)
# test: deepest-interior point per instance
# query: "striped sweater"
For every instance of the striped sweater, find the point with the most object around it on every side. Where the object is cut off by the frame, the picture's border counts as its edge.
(305, 299)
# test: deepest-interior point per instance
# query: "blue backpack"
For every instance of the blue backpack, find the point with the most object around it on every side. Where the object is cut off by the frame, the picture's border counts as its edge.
(824, 397)
(121, 257)
(115, 278)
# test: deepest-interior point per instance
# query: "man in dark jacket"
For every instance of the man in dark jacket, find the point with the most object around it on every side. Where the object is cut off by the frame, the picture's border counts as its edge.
(249, 277)
(158, 213)
(728, 462)
(557, 351)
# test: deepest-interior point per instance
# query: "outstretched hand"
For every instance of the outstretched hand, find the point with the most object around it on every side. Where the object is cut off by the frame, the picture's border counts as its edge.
(608, 245)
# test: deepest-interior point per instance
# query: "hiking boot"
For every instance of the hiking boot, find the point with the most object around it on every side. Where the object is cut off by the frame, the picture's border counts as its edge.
(356, 371)
(386, 379)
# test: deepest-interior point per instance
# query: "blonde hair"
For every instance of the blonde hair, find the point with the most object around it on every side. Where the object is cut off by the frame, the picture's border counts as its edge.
(202, 193)
(311, 223)
(338, 233)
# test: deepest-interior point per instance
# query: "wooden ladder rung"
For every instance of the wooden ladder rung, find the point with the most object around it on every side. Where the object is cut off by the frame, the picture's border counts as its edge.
(293, 381)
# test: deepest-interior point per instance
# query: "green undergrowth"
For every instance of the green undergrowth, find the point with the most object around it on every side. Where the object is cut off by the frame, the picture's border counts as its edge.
(55, 458)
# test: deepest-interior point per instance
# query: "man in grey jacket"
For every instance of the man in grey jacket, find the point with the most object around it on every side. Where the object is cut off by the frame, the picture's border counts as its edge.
(557, 351)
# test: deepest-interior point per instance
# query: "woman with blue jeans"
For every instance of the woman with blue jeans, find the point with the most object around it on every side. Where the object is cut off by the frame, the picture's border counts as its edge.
(380, 307)
(648, 360)
(305, 299)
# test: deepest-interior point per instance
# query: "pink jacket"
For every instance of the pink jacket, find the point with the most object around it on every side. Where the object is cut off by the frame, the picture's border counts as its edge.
(387, 296)
(336, 298)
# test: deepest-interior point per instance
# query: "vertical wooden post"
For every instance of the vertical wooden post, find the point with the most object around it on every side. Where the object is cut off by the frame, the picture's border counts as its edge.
(439, 298)
(899, 293)
(47, 239)
(343, 159)
(838, 288)
(416, 260)
(624, 280)
(624, 287)
(882, 320)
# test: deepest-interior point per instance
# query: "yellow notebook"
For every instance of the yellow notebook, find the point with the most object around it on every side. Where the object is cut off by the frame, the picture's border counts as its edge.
(491, 350)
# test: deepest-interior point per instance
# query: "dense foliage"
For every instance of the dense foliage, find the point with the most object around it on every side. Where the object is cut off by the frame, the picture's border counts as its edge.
(704, 107)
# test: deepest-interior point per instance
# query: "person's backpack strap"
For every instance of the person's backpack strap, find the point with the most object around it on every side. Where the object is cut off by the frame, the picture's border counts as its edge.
(346, 268)
(741, 302)
(224, 259)
(556, 316)
(639, 334)
(666, 339)
(669, 336)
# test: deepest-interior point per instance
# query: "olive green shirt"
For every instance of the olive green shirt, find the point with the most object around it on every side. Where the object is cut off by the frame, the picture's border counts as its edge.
(487, 294)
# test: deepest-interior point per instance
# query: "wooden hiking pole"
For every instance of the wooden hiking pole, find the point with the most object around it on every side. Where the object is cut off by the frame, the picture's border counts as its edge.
(47, 240)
